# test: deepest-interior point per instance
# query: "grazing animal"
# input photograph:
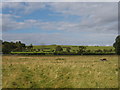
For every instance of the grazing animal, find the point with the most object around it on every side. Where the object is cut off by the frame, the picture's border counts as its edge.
(104, 59)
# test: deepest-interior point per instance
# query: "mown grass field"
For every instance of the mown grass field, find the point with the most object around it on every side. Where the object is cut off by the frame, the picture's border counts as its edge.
(60, 72)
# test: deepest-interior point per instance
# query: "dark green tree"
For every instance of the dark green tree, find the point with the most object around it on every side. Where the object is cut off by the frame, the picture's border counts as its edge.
(59, 49)
(88, 51)
(18, 46)
(1, 46)
(68, 49)
(8, 47)
(105, 50)
(99, 51)
(116, 45)
(81, 49)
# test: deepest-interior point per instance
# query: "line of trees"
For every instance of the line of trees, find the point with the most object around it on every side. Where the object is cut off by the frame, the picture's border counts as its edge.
(8, 47)
(82, 50)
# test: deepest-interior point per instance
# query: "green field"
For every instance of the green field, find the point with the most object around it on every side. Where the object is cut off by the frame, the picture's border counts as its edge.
(50, 50)
(73, 47)
(60, 71)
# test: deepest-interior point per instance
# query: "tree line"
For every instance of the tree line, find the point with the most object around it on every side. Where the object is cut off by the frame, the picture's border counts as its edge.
(8, 47)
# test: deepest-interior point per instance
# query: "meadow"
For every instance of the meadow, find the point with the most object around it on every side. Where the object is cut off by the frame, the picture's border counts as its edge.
(52, 47)
(73, 50)
(60, 71)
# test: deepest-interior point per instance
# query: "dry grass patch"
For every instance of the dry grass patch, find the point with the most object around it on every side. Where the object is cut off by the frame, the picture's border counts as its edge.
(60, 72)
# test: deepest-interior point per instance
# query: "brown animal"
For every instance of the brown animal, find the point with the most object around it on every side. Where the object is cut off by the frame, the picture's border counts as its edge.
(104, 59)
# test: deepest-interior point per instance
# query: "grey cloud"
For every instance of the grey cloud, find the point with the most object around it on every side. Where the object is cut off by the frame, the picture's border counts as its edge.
(93, 14)
(96, 18)
(60, 38)
(9, 23)
(23, 7)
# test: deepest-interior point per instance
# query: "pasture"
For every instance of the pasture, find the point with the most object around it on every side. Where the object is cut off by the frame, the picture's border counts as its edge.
(60, 71)
(73, 50)
(72, 46)
(92, 48)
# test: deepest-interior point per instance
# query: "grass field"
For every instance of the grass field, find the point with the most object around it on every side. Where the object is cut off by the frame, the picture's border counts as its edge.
(60, 72)
(73, 47)
(50, 50)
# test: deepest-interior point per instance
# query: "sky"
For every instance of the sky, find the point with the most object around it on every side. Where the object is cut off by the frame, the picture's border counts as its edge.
(61, 23)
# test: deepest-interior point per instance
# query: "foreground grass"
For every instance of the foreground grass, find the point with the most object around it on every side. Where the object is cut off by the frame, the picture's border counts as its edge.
(60, 72)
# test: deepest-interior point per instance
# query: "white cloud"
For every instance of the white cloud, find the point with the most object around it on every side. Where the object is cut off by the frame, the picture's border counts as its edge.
(96, 18)
(9, 23)
(97, 12)
(101, 16)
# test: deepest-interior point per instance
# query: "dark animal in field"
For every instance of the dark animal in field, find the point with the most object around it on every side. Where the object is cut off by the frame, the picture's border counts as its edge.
(104, 59)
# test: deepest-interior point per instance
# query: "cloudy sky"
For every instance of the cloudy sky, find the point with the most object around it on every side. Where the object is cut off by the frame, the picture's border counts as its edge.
(64, 23)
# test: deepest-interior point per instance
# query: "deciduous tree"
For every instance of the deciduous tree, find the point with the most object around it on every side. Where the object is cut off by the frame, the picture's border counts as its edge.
(116, 45)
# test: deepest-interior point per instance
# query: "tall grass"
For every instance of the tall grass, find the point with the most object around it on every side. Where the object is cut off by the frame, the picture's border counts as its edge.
(60, 72)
